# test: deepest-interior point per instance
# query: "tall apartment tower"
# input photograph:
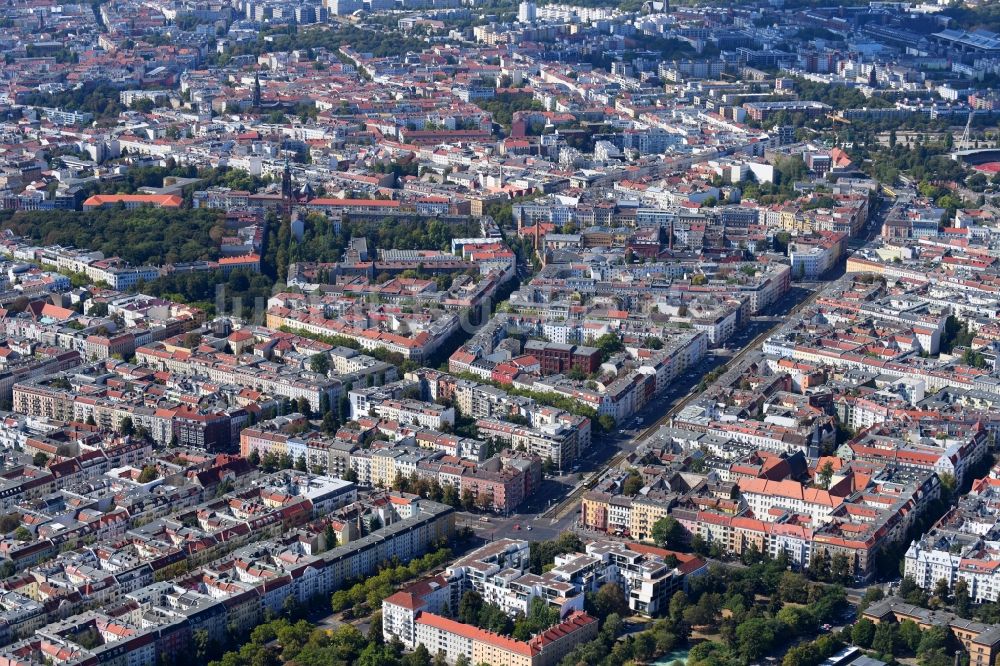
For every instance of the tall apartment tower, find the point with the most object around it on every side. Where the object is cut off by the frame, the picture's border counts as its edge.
(527, 12)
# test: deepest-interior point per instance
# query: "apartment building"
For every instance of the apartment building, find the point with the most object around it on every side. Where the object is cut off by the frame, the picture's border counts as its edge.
(981, 641)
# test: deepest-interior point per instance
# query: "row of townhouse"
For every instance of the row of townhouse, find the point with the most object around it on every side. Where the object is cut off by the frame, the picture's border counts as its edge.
(421, 414)
(782, 517)
(320, 392)
(114, 272)
(964, 545)
(184, 425)
(45, 362)
(165, 617)
(417, 347)
(955, 449)
(460, 641)
(499, 484)
(625, 396)
(622, 515)
(101, 573)
(63, 328)
(653, 372)
(562, 443)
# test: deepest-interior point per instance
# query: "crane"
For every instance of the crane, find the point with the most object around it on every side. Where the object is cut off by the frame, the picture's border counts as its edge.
(964, 143)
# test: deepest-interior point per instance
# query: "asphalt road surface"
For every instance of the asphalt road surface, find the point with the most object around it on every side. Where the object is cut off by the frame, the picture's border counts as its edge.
(554, 508)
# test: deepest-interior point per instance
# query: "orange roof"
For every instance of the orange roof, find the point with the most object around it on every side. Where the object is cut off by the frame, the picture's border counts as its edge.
(476, 634)
(162, 200)
(405, 600)
(244, 259)
(573, 622)
(56, 312)
(790, 490)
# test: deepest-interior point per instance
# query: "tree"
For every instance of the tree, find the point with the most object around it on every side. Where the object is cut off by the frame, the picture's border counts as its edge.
(872, 594)
(668, 533)
(907, 586)
(22, 533)
(703, 613)
(942, 590)
(300, 464)
(254, 458)
(797, 620)
(469, 607)
(910, 634)
(39, 459)
(493, 618)
(678, 603)
(192, 339)
(375, 633)
(148, 473)
(224, 488)
(840, 568)
(126, 427)
(825, 474)
(653, 342)
(540, 617)
(884, 642)
(290, 607)
(933, 639)
(699, 545)
(329, 537)
(610, 598)
(819, 566)
(201, 641)
(962, 598)
(420, 657)
(330, 423)
(319, 363)
(633, 483)
(468, 500)
(449, 496)
(755, 638)
(303, 406)
(608, 344)
(9, 521)
(793, 588)
(644, 646)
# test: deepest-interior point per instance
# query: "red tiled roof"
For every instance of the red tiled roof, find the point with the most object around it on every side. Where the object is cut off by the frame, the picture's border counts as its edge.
(405, 600)
(165, 200)
(476, 634)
